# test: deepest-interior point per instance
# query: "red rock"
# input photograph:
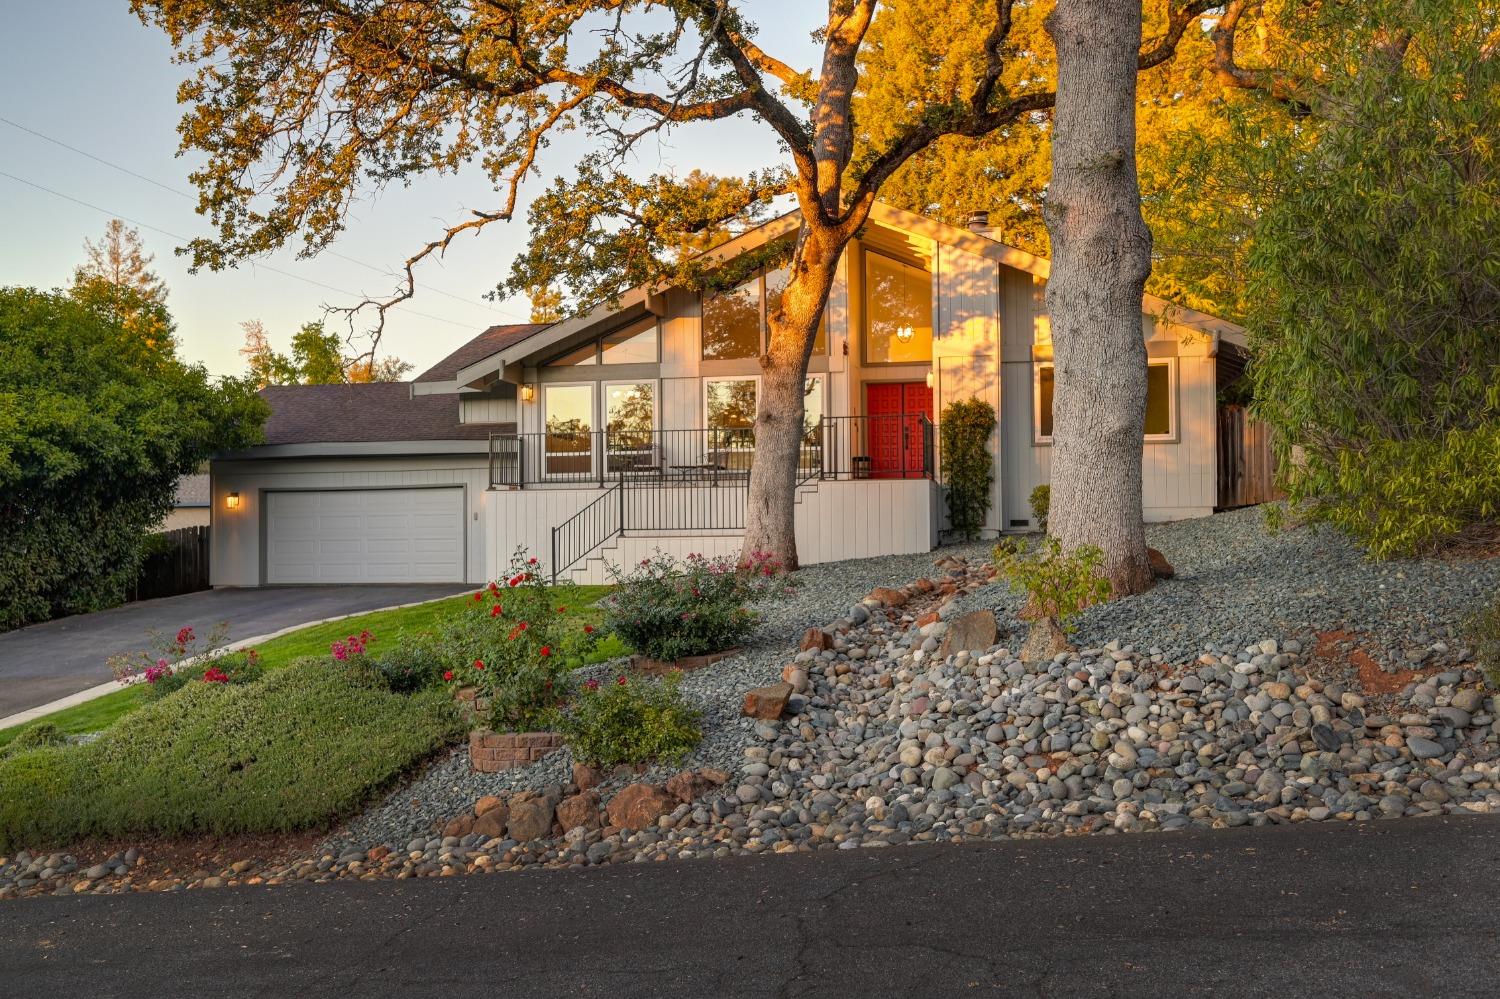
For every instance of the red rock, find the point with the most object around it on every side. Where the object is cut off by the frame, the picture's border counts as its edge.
(767, 703)
(638, 806)
(925, 585)
(491, 824)
(487, 803)
(580, 810)
(719, 777)
(689, 785)
(584, 776)
(1160, 567)
(888, 596)
(377, 853)
(816, 640)
(461, 826)
(531, 815)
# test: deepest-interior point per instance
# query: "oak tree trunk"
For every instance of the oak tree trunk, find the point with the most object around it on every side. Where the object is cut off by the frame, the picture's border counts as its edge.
(1101, 256)
(770, 515)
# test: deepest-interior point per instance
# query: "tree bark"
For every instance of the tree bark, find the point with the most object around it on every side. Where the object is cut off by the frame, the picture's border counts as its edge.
(770, 515)
(1101, 257)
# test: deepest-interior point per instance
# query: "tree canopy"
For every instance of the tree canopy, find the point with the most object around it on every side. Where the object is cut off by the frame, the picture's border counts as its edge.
(96, 426)
(117, 279)
(316, 358)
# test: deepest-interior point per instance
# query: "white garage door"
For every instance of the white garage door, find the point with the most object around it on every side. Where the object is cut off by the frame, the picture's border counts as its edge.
(365, 536)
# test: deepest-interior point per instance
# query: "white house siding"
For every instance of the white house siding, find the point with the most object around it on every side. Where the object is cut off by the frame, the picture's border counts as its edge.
(966, 346)
(236, 539)
(486, 408)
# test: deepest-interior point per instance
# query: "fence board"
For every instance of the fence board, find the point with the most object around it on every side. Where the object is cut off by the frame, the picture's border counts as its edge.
(179, 565)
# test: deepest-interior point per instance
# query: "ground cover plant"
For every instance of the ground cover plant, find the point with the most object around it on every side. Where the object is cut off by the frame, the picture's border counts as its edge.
(295, 749)
(669, 609)
(631, 720)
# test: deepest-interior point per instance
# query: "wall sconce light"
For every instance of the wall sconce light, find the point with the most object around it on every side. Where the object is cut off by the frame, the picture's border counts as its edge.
(232, 501)
(930, 380)
(905, 333)
(528, 393)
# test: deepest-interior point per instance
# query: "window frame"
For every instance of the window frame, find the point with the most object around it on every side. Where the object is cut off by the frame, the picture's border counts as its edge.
(710, 379)
(597, 343)
(546, 454)
(655, 383)
(1171, 437)
(864, 312)
(765, 323)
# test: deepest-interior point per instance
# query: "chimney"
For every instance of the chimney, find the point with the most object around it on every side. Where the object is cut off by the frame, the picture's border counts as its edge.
(979, 222)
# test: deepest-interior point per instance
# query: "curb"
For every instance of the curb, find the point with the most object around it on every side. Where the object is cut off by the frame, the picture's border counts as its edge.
(92, 693)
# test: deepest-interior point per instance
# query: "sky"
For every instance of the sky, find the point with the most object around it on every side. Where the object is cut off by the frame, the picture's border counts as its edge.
(86, 74)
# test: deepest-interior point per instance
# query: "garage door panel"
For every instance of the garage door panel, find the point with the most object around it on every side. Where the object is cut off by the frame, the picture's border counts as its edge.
(365, 536)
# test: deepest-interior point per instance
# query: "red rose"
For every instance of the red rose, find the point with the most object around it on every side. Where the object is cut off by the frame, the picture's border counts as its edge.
(546, 651)
(621, 681)
(447, 674)
(588, 629)
(478, 664)
(495, 611)
(478, 597)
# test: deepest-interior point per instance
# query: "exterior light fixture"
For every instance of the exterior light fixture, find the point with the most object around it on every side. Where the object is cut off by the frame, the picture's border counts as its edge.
(930, 379)
(232, 501)
(905, 333)
(528, 393)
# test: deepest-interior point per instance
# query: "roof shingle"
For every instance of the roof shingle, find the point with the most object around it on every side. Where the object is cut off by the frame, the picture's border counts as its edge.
(378, 411)
(482, 346)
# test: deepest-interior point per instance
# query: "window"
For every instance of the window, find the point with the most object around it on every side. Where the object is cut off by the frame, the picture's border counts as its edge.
(635, 344)
(731, 323)
(1161, 401)
(736, 324)
(812, 408)
(898, 312)
(569, 413)
(629, 413)
(729, 403)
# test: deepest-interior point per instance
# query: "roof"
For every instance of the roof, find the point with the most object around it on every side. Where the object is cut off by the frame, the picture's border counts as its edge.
(482, 365)
(482, 346)
(377, 411)
(192, 490)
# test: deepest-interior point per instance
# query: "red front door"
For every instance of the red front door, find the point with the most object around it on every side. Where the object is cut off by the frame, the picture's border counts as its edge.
(895, 411)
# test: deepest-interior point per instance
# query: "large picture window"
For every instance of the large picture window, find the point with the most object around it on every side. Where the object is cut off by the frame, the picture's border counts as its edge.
(1161, 401)
(898, 311)
(736, 324)
(569, 415)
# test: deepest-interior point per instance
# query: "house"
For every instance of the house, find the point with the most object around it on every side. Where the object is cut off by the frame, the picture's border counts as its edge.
(594, 440)
(190, 506)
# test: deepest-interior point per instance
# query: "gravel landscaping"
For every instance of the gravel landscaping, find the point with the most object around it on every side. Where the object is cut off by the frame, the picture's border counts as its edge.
(1200, 703)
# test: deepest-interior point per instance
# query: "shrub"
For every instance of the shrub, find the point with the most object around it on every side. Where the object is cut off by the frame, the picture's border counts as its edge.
(670, 610)
(517, 644)
(968, 468)
(1482, 631)
(626, 720)
(173, 663)
(298, 748)
(34, 737)
(409, 667)
(1041, 504)
(1059, 584)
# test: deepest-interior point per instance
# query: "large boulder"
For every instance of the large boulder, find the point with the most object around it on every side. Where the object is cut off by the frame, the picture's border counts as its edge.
(532, 814)
(638, 806)
(581, 809)
(1045, 640)
(767, 703)
(491, 822)
(975, 632)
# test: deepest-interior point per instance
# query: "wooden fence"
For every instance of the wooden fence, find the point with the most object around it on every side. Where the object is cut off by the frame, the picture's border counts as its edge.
(1247, 469)
(177, 563)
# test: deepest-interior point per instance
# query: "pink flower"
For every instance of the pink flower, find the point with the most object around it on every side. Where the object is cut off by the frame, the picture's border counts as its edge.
(184, 635)
(621, 681)
(591, 684)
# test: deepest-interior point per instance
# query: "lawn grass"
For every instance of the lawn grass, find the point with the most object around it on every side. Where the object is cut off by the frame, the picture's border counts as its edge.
(385, 626)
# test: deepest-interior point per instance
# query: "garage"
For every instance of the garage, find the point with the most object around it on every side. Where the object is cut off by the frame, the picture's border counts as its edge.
(365, 536)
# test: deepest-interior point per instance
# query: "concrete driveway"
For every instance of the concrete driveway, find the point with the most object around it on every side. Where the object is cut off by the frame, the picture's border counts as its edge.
(47, 661)
(1407, 907)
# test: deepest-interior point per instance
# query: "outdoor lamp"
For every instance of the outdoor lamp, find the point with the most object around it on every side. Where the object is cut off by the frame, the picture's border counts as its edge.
(528, 393)
(905, 333)
(232, 501)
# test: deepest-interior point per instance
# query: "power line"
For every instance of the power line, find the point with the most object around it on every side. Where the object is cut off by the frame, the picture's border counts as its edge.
(184, 239)
(170, 189)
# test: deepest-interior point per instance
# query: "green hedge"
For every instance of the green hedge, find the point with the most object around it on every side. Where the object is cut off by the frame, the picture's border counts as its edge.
(297, 749)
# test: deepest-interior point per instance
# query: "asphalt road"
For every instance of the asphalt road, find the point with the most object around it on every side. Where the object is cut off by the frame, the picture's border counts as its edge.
(51, 660)
(1396, 908)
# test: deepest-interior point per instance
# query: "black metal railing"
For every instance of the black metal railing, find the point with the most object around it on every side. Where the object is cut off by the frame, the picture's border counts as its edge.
(586, 530)
(894, 446)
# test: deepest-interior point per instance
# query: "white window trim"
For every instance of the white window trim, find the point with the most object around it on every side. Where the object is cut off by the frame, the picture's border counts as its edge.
(1172, 401)
(655, 384)
(593, 420)
(709, 379)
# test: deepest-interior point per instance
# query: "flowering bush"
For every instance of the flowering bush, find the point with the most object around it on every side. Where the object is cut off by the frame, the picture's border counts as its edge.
(174, 662)
(516, 643)
(669, 610)
(628, 720)
(351, 648)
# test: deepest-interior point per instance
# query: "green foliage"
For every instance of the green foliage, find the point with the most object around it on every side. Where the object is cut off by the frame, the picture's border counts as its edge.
(1376, 286)
(1482, 632)
(968, 468)
(1041, 504)
(34, 736)
(629, 720)
(297, 749)
(671, 610)
(1059, 584)
(96, 426)
(517, 641)
(410, 666)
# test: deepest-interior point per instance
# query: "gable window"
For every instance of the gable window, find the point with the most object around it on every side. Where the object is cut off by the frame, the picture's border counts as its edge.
(736, 323)
(632, 344)
(1161, 401)
(898, 311)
